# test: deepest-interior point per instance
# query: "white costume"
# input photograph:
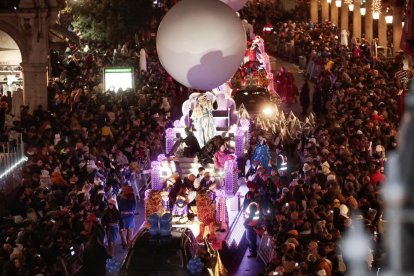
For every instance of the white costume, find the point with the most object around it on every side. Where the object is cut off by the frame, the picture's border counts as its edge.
(344, 38)
(203, 119)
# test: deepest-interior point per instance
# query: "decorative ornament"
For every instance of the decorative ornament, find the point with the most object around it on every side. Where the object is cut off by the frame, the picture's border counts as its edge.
(376, 8)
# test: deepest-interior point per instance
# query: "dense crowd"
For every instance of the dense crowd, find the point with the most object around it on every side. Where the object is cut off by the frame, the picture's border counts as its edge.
(87, 150)
(336, 172)
(85, 155)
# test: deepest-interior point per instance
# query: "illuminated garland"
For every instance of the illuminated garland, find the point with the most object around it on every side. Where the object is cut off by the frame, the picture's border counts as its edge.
(376, 8)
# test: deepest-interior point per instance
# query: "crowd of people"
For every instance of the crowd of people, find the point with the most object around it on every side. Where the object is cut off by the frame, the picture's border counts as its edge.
(85, 155)
(87, 150)
(336, 172)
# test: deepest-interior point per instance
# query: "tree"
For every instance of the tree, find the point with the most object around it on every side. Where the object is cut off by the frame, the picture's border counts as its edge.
(109, 20)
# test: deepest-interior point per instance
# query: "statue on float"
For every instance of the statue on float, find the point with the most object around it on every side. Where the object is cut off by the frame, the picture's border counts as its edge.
(202, 117)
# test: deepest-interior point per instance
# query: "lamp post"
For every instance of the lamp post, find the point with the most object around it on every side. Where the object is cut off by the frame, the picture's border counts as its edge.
(388, 16)
(363, 9)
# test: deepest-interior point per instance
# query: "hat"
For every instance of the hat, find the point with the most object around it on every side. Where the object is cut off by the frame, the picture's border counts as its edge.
(306, 167)
(293, 232)
(343, 210)
(359, 132)
(251, 185)
(331, 177)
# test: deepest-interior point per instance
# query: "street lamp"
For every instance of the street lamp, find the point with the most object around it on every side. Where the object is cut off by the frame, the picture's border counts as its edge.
(329, 1)
(351, 7)
(388, 16)
(363, 9)
(338, 3)
(376, 9)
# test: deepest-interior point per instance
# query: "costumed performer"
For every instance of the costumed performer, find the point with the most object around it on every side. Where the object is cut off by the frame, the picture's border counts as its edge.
(206, 214)
(202, 117)
(261, 153)
(192, 146)
(221, 156)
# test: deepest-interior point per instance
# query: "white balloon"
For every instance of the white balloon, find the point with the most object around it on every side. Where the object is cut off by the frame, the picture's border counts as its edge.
(201, 43)
(236, 5)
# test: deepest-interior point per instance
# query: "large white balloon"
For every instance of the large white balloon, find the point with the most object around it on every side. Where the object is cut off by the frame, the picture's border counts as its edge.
(235, 4)
(201, 43)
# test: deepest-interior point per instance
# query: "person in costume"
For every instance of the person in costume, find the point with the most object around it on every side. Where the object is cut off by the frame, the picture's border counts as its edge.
(192, 147)
(261, 153)
(127, 205)
(221, 156)
(203, 118)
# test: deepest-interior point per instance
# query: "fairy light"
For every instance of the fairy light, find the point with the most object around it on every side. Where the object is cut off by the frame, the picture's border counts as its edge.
(239, 142)
(229, 168)
(221, 205)
(155, 175)
(376, 9)
(169, 139)
(350, 4)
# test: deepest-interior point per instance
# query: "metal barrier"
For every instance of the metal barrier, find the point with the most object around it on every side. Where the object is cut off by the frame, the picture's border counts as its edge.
(11, 157)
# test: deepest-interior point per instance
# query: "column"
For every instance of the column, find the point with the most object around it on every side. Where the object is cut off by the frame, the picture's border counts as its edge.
(369, 22)
(325, 10)
(344, 16)
(314, 11)
(35, 85)
(356, 20)
(396, 28)
(334, 14)
(382, 30)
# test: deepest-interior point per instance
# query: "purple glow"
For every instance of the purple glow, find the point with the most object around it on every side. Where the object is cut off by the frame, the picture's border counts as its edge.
(169, 133)
(155, 175)
(161, 157)
(177, 124)
(228, 168)
(239, 142)
(169, 139)
(155, 165)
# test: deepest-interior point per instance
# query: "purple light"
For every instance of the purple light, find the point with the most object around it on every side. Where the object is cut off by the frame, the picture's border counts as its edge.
(239, 142)
(169, 139)
(155, 165)
(155, 175)
(245, 124)
(169, 133)
(161, 157)
(228, 168)
(177, 124)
